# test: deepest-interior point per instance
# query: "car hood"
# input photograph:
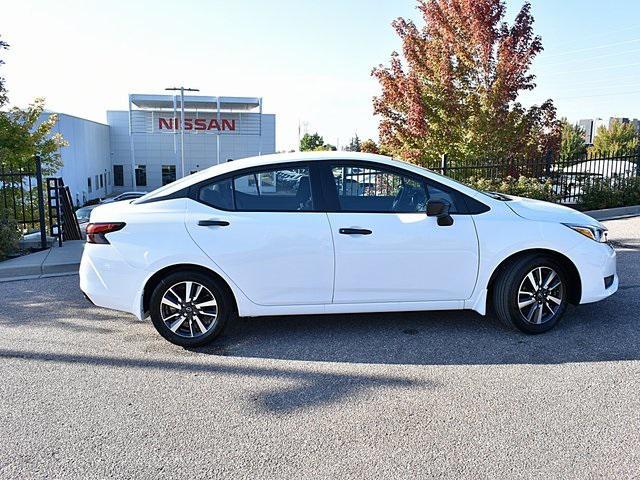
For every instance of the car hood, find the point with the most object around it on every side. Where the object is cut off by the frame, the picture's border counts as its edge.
(549, 212)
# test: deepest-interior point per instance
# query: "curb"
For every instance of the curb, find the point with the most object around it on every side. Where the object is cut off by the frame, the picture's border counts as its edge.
(614, 213)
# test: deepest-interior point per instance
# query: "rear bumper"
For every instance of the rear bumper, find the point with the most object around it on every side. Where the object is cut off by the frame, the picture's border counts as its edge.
(110, 282)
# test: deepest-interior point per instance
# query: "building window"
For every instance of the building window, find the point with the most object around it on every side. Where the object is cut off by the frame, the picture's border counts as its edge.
(168, 174)
(89, 184)
(101, 181)
(118, 176)
(141, 175)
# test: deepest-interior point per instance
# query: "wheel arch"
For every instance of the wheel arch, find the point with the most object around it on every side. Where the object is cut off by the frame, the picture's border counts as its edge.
(157, 277)
(575, 282)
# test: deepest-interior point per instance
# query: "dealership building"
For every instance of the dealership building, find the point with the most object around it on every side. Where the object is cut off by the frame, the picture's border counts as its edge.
(145, 147)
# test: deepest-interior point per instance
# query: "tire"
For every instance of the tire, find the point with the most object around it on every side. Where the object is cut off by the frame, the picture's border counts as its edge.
(201, 314)
(519, 309)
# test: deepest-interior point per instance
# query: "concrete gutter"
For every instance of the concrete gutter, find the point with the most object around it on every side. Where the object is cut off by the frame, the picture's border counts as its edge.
(53, 262)
(613, 213)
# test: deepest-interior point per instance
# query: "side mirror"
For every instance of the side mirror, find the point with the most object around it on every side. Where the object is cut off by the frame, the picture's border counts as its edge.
(440, 209)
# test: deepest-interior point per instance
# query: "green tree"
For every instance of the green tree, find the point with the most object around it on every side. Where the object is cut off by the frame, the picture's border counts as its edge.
(455, 88)
(311, 142)
(354, 144)
(572, 144)
(25, 132)
(618, 138)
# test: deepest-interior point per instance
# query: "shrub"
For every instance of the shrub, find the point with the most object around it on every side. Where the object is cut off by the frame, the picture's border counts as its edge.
(9, 234)
(610, 193)
(521, 187)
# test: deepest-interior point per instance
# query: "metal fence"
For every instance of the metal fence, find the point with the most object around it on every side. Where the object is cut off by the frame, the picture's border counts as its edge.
(22, 198)
(569, 178)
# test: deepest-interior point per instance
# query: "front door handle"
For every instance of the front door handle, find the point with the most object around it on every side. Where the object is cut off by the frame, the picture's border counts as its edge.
(355, 231)
(213, 223)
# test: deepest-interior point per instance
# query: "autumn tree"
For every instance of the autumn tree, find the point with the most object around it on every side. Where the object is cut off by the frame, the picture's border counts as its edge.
(618, 138)
(369, 146)
(455, 87)
(572, 144)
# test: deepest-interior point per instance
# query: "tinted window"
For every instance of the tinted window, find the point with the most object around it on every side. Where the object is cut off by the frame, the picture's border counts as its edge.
(440, 192)
(168, 174)
(274, 190)
(141, 175)
(218, 194)
(378, 190)
(118, 176)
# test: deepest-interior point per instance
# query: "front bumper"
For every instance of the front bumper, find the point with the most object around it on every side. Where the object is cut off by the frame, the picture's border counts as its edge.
(596, 262)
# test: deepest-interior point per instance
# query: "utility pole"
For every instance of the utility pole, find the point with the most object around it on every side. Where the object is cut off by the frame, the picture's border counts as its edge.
(182, 90)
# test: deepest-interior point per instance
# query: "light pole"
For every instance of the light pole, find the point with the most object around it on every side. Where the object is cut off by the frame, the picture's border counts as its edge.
(182, 90)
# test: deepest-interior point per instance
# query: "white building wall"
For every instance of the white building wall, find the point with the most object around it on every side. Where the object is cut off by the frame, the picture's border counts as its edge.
(157, 149)
(86, 156)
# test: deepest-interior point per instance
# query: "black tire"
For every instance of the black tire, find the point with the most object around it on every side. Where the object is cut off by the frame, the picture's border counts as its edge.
(506, 294)
(224, 309)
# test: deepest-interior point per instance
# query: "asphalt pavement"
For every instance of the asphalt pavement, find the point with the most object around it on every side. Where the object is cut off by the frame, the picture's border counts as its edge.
(91, 393)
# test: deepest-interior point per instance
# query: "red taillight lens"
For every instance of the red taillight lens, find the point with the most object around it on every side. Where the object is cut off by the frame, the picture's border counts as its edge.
(96, 231)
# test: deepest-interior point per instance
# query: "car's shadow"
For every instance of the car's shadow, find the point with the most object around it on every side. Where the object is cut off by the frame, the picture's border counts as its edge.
(608, 330)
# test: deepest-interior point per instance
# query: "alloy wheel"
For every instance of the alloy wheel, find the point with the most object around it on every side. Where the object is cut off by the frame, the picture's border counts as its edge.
(189, 309)
(540, 295)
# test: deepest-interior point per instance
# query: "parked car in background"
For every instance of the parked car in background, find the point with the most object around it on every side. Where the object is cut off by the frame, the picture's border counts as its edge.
(353, 233)
(83, 214)
(124, 196)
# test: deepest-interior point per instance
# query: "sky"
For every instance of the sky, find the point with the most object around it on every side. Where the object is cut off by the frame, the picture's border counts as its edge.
(310, 60)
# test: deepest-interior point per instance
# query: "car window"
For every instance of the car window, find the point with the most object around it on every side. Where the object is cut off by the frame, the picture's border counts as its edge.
(284, 190)
(440, 192)
(378, 190)
(218, 194)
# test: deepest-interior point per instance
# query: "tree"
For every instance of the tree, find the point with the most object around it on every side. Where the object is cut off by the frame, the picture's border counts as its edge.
(619, 137)
(456, 86)
(572, 144)
(3, 91)
(354, 145)
(369, 146)
(23, 134)
(311, 142)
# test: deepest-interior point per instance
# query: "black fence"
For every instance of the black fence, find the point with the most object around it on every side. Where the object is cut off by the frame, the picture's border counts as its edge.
(568, 179)
(22, 198)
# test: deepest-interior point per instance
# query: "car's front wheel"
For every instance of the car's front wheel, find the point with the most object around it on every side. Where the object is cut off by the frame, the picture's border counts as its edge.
(531, 294)
(189, 308)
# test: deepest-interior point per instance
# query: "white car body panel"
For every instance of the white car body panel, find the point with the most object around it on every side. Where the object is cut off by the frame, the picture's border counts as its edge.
(408, 258)
(295, 263)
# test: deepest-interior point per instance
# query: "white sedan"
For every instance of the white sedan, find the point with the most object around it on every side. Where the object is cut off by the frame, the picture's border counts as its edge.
(338, 232)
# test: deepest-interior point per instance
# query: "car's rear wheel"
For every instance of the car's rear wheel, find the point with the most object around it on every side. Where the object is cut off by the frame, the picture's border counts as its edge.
(531, 294)
(189, 308)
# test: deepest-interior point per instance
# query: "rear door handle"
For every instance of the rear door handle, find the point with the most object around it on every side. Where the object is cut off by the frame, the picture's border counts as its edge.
(355, 231)
(213, 223)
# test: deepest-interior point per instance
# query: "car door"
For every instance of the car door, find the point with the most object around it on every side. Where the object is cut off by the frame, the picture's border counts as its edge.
(262, 229)
(386, 248)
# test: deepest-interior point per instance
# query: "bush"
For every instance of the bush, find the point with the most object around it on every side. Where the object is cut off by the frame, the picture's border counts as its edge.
(9, 234)
(521, 187)
(610, 193)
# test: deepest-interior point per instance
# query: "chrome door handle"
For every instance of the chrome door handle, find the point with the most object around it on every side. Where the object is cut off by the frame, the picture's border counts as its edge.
(213, 223)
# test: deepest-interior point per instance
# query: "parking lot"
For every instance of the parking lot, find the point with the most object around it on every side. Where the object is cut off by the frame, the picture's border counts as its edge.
(91, 393)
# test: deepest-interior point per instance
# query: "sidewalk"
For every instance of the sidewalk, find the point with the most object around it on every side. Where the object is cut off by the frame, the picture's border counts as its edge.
(55, 261)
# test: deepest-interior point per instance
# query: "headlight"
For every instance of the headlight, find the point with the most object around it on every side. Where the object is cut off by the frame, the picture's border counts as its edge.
(594, 233)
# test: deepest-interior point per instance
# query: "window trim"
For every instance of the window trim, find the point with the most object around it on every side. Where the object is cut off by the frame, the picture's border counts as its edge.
(316, 197)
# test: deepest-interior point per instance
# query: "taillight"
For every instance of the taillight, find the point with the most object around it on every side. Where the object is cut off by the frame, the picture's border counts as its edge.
(96, 231)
